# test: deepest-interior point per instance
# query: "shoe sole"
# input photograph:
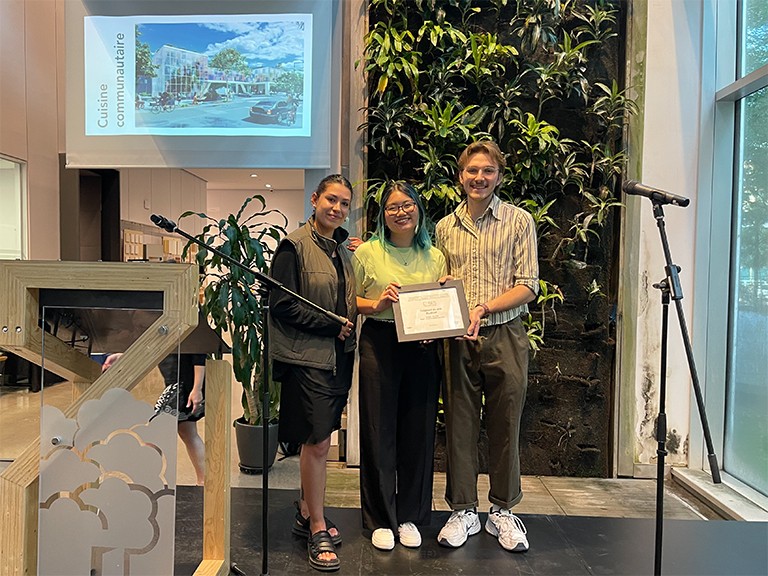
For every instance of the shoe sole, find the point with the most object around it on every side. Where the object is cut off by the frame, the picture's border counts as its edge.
(411, 544)
(385, 547)
(474, 529)
(490, 527)
(412, 539)
(322, 565)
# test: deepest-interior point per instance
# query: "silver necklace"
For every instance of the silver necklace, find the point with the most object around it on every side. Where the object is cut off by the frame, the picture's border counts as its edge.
(399, 257)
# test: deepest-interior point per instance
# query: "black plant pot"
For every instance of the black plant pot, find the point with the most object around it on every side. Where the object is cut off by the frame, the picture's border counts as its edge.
(250, 446)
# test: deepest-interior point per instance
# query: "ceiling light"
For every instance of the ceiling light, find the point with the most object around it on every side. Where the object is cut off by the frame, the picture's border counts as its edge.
(268, 186)
(254, 175)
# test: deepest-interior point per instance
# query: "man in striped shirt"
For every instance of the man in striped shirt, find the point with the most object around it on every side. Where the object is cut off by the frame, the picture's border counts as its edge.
(491, 246)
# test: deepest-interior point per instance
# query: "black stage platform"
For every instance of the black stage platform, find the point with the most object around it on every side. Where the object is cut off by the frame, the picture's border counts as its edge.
(559, 544)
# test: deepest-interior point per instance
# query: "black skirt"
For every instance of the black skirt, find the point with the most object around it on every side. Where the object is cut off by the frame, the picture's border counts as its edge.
(181, 368)
(312, 400)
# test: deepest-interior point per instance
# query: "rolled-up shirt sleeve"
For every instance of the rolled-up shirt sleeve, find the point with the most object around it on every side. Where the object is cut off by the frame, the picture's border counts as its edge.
(525, 254)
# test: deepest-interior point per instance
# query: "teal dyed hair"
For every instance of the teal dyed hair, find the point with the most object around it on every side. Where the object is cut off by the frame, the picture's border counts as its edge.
(421, 240)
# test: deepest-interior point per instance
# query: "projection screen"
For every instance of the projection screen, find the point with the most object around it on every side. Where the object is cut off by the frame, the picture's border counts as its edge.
(191, 84)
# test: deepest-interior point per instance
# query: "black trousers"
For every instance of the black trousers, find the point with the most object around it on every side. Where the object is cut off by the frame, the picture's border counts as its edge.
(399, 388)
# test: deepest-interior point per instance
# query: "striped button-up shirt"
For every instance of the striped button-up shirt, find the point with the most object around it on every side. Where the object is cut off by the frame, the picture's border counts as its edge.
(492, 254)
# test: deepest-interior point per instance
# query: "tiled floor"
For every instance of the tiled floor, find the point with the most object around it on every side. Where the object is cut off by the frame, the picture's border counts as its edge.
(616, 498)
(19, 426)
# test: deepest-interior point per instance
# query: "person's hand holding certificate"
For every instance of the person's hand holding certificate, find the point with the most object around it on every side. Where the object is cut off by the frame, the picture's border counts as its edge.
(429, 311)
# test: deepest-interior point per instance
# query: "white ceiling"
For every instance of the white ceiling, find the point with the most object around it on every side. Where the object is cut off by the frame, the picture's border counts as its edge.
(241, 179)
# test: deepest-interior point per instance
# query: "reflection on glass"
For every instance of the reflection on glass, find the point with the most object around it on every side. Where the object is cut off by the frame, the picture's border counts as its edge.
(108, 468)
(754, 41)
(746, 435)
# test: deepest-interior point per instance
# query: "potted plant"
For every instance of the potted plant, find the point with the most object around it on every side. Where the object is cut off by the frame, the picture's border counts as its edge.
(233, 306)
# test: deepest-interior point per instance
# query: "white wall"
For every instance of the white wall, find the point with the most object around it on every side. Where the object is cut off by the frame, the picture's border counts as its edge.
(29, 119)
(670, 161)
(165, 191)
(221, 203)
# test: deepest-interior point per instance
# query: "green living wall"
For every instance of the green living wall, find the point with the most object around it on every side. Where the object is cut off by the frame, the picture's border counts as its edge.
(542, 78)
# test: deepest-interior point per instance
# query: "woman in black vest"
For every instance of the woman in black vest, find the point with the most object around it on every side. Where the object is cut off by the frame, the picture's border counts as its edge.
(313, 355)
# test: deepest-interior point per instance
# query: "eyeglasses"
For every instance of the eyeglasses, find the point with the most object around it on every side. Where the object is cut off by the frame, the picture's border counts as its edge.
(406, 207)
(488, 171)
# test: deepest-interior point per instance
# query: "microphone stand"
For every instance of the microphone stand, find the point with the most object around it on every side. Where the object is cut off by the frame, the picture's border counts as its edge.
(266, 284)
(670, 288)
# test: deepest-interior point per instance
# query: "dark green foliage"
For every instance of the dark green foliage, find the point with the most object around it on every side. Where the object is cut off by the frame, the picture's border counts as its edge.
(541, 78)
(229, 300)
(530, 74)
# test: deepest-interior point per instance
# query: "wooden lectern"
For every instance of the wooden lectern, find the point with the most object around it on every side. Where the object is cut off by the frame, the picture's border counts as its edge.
(172, 292)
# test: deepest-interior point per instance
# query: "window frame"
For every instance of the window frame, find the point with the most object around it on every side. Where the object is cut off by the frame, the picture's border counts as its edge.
(718, 178)
(22, 204)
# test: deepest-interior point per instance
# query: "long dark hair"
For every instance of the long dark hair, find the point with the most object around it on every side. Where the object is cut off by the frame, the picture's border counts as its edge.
(421, 239)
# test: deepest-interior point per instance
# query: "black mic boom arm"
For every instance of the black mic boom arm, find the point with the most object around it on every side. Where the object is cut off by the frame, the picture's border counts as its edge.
(264, 279)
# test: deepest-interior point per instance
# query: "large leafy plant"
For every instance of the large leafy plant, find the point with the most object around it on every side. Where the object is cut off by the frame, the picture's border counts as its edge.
(231, 301)
(543, 79)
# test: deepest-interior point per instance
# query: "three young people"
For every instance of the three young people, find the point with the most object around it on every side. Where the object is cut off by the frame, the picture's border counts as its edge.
(490, 245)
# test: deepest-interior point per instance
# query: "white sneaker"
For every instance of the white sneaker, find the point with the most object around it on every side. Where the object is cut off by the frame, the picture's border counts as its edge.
(383, 539)
(409, 535)
(460, 525)
(508, 528)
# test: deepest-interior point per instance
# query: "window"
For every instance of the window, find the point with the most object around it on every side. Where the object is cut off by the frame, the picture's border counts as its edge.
(13, 219)
(745, 436)
(754, 35)
(745, 453)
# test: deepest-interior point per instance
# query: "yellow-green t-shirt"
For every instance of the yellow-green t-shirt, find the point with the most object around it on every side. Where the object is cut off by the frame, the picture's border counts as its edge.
(377, 264)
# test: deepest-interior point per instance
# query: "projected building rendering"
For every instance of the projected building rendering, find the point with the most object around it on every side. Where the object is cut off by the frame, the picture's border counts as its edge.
(187, 74)
(198, 75)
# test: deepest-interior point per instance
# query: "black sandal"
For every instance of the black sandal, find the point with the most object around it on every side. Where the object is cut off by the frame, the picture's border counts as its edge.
(301, 526)
(321, 543)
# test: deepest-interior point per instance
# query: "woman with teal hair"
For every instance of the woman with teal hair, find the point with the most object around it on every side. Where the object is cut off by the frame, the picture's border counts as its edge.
(399, 381)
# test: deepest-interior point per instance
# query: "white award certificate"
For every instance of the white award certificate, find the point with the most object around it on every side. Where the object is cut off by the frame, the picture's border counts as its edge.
(429, 311)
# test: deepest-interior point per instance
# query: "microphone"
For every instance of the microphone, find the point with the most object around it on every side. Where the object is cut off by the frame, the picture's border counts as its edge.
(659, 196)
(163, 222)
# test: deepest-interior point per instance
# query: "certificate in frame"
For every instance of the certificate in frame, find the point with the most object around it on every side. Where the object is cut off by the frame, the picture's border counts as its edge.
(430, 311)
